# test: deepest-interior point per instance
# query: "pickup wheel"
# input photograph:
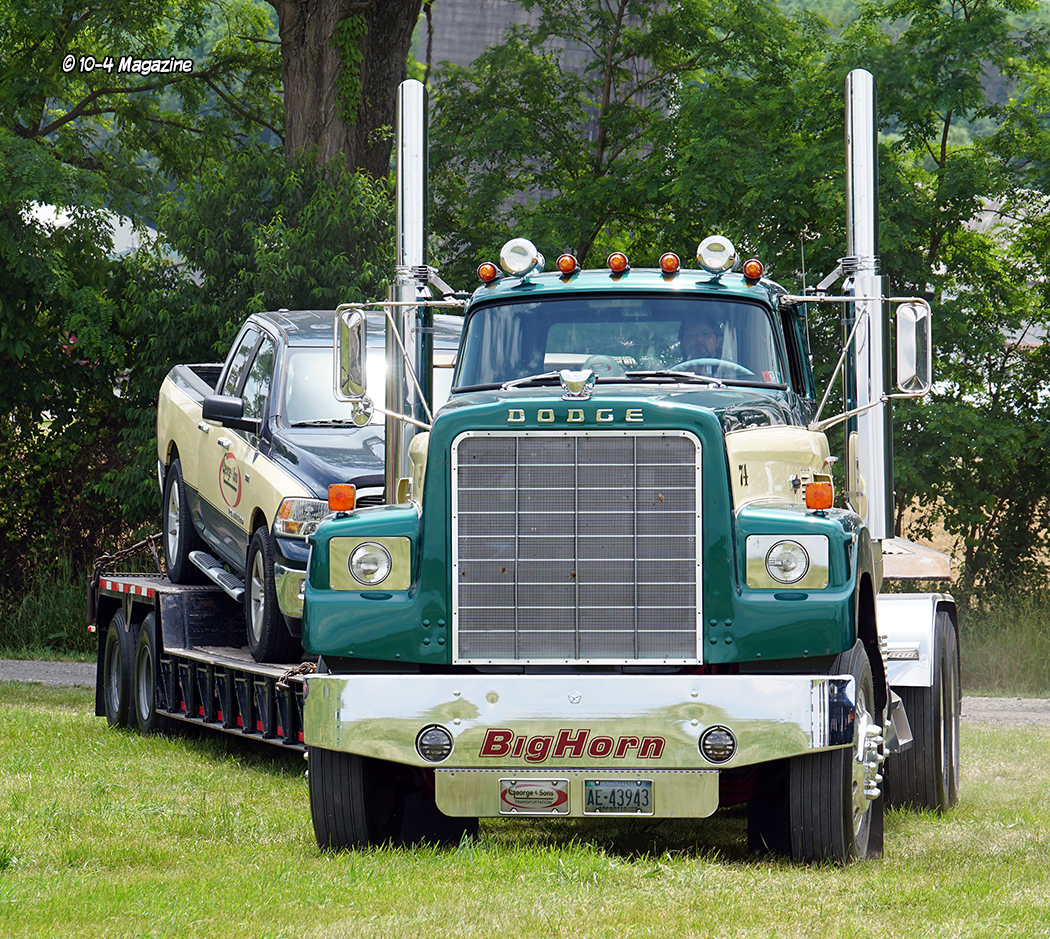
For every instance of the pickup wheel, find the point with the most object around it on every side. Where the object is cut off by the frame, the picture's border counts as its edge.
(180, 537)
(926, 776)
(147, 689)
(830, 816)
(117, 657)
(268, 636)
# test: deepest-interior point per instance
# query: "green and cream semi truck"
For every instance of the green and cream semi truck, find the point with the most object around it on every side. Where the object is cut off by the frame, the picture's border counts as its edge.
(612, 578)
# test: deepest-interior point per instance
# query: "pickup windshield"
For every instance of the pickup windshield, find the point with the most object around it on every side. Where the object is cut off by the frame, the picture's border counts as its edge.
(723, 339)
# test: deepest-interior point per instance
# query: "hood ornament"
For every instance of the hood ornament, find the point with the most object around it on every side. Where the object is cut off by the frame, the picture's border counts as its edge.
(577, 386)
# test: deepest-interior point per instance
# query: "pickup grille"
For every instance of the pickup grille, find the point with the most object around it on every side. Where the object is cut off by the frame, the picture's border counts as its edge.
(576, 547)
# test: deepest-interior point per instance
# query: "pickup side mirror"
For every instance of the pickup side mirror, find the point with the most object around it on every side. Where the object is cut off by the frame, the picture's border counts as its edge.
(228, 411)
(914, 348)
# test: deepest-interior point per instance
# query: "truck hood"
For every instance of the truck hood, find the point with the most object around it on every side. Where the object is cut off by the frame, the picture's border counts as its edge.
(322, 456)
(736, 407)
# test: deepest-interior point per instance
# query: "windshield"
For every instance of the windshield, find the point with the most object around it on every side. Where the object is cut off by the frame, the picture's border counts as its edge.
(724, 339)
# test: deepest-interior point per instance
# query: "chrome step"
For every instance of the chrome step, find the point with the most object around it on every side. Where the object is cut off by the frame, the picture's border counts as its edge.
(217, 574)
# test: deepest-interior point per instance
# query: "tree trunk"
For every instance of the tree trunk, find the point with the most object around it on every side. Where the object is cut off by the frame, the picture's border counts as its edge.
(350, 118)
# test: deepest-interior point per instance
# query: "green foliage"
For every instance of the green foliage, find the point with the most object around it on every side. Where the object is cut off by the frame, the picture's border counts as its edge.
(348, 37)
(49, 617)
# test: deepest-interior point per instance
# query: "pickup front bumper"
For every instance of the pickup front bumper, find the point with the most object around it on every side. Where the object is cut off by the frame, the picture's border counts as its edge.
(678, 729)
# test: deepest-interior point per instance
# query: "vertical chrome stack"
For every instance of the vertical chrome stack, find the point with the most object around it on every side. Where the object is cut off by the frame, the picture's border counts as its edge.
(414, 324)
(869, 456)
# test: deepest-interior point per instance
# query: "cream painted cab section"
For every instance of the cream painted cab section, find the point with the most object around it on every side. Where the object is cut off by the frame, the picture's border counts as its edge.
(775, 462)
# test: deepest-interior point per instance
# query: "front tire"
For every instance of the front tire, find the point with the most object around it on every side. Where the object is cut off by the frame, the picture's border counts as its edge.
(180, 537)
(926, 776)
(117, 656)
(355, 802)
(268, 637)
(830, 816)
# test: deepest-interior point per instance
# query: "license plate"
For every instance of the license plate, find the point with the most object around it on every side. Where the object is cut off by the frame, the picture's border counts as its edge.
(618, 796)
(534, 796)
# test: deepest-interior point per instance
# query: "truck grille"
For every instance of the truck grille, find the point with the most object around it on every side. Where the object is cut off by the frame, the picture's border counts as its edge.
(576, 547)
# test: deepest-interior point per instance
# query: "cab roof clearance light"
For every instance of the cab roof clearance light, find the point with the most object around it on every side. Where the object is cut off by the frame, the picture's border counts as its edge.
(567, 265)
(753, 269)
(519, 257)
(488, 272)
(716, 254)
(670, 263)
(617, 262)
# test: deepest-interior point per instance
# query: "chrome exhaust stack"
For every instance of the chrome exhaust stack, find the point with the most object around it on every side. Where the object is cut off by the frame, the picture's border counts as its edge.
(869, 440)
(409, 326)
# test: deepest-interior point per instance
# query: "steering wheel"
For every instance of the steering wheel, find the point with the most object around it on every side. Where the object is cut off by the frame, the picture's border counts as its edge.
(604, 366)
(735, 369)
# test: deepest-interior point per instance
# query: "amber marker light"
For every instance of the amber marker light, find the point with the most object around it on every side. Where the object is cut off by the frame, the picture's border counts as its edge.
(488, 272)
(819, 495)
(567, 264)
(618, 262)
(342, 497)
(670, 263)
(753, 269)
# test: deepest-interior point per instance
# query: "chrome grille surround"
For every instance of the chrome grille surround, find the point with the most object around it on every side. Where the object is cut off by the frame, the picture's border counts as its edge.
(576, 547)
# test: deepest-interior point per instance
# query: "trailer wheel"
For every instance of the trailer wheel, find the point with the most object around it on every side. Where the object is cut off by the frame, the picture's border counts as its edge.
(268, 637)
(147, 688)
(830, 816)
(180, 537)
(117, 657)
(926, 775)
(355, 801)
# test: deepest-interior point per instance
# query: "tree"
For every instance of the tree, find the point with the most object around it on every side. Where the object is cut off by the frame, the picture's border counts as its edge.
(577, 158)
(343, 61)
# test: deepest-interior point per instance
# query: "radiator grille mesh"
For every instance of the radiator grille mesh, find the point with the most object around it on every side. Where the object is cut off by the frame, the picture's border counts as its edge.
(575, 547)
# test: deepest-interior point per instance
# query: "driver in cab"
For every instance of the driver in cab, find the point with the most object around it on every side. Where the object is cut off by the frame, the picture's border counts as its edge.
(700, 346)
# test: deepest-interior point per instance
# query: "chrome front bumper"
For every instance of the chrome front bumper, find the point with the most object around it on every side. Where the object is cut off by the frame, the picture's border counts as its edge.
(601, 722)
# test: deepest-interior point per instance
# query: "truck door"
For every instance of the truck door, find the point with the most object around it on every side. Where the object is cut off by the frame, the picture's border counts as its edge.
(224, 453)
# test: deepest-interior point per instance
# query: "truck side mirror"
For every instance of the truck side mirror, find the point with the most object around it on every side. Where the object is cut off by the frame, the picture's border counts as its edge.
(228, 411)
(914, 347)
(350, 347)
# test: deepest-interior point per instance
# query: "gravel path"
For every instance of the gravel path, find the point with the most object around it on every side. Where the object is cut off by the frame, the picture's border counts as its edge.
(975, 710)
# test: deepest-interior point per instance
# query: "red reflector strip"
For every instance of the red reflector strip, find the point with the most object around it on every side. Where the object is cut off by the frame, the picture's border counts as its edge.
(120, 586)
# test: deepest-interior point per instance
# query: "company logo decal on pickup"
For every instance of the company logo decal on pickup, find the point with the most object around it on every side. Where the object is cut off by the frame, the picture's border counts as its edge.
(568, 744)
(577, 416)
(230, 480)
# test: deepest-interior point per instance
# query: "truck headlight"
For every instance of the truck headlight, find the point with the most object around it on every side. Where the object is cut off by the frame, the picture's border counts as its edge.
(298, 517)
(370, 564)
(787, 562)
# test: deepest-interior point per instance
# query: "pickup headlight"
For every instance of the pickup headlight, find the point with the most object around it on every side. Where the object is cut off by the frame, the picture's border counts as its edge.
(298, 517)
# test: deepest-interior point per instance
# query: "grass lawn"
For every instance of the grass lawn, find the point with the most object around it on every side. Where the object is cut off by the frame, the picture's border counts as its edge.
(106, 833)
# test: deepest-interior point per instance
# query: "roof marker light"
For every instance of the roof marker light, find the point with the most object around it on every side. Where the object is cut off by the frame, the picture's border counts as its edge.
(618, 262)
(488, 272)
(670, 263)
(716, 254)
(753, 269)
(567, 264)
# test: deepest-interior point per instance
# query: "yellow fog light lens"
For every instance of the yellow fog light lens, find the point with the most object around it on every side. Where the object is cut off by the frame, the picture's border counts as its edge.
(370, 564)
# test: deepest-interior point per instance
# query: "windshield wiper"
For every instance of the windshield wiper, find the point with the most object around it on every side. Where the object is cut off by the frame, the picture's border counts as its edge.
(542, 379)
(689, 377)
(334, 422)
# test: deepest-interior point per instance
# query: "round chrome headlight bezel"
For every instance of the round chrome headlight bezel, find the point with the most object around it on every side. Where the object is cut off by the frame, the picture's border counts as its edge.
(787, 562)
(434, 743)
(370, 564)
